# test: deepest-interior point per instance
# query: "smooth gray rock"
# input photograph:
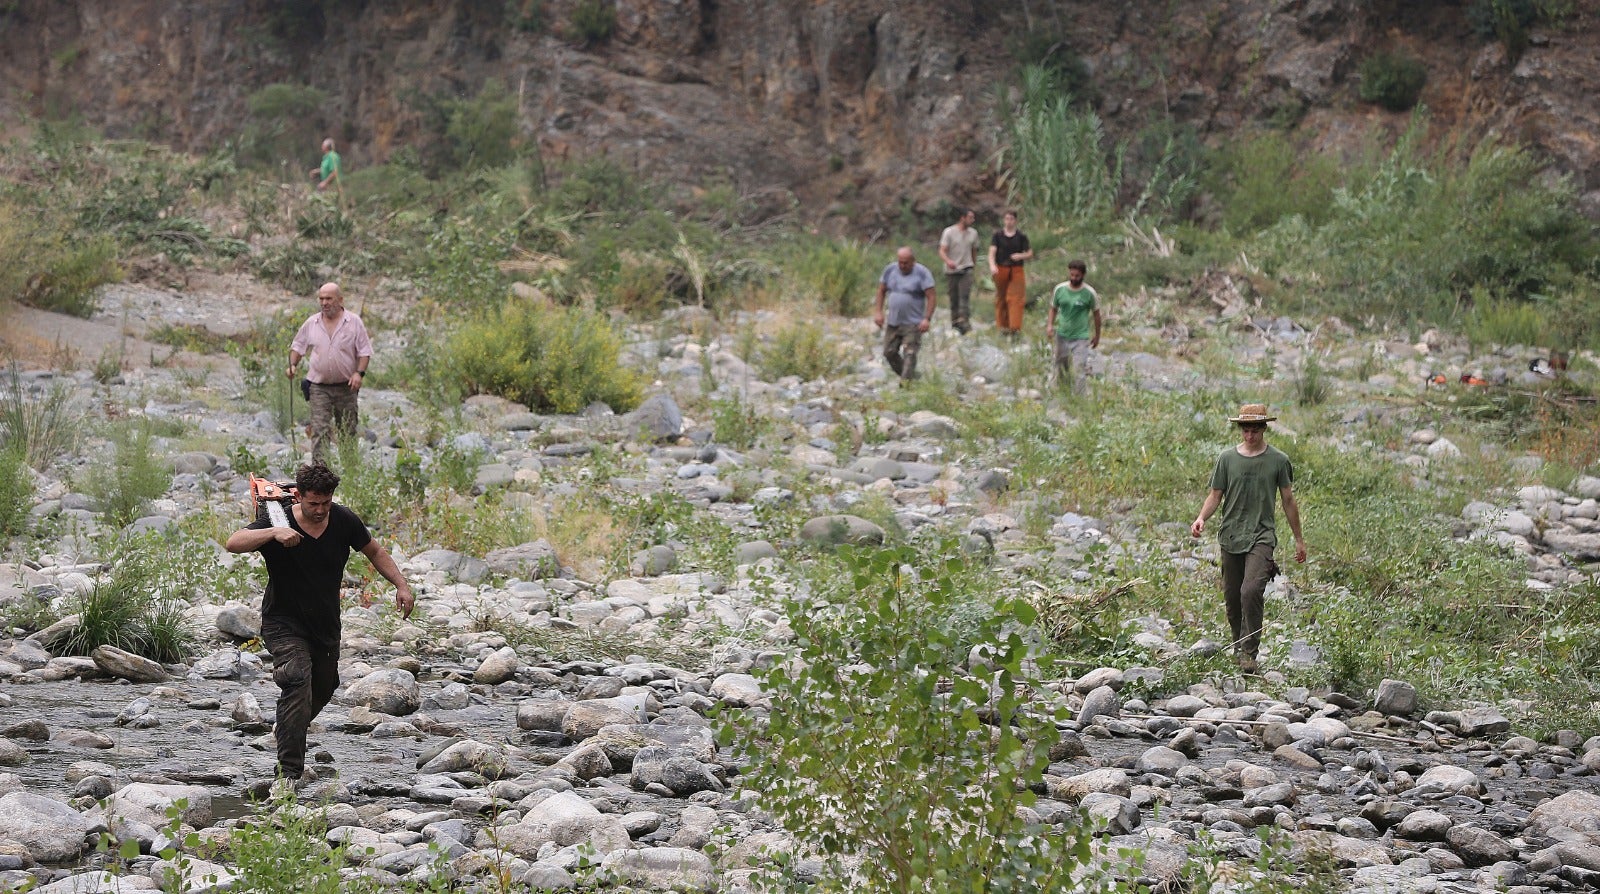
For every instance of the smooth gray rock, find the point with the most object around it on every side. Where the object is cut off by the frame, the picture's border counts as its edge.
(1578, 810)
(662, 869)
(239, 621)
(1396, 697)
(1423, 825)
(1449, 780)
(753, 551)
(658, 417)
(654, 561)
(533, 560)
(834, 530)
(499, 666)
(1479, 847)
(49, 830)
(1102, 702)
(738, 690)
(585, 718)
(12, 754)
(388, 690)
(127, 666)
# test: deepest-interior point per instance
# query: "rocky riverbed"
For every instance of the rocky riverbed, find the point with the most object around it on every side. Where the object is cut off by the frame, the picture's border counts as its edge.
(452, 737)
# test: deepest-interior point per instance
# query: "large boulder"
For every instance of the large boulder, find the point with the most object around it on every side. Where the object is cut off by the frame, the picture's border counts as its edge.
(1578, 810)
(128, 666)
(388, 690)
(662, 869)
(657, 418)
(834, 530)
(48, 830)
(584, 719)
(533, 560)
(563, 819)
(148, 803)
(481, 758)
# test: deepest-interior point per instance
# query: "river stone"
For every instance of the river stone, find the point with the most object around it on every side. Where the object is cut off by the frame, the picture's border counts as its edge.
(484, 759)
(542, 714)
(833, 530)
(533, 560)
(148, 803)
(1102, 702)
(1396, 697)
(127, 666)
(753, 551)
(1479, 847)
(499, 666)
(97, 881)
(563, 819)
(12, 754)
(658, 417)
(661, 869)
(239, 621)
(50, 830)
(1105, 779)
(584, 718)
(30, 730)
(1162, 760)
(1119, 815)
(1423, 825)
(1270, 795)
(222, 664)
(387, 690)
(1185, 705)
(246, 710)
(1100, 676)
(1296, 758)
(876, 467)
(1581, 547)
(1483, 720)
(1450, 780)
(738, 690)
(1578, 810)
(28, 654)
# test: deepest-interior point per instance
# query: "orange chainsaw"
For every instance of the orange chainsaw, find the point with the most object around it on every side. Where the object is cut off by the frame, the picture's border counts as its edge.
(271, 500)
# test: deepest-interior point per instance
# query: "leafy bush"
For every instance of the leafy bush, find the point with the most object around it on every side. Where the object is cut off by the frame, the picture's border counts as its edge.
(737, 423)
(882, 744)
(47, 267)
(837, 275)
(1264, 178)
(1393, 80)
(124, 483)
(482, 131)
(593, 21)
(16, 492)
(1506, 322)
(41, 428)
(285, 127)
(552, 359)
(802, 349)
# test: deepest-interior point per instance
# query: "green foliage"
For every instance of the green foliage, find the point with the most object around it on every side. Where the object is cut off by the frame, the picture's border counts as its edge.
(482, 131)
(458, 261)
(16, 492)
(880, 743)
(1057, 163)
(1508, 21)
(528, 16)
(1264, 178)
(1050, 51)
(552, 359)
(737, 423)
(37, 426)
(1393, 80)
(46, 267)
(140, 605)
(124, 483)
(1506, 322)
(285, 128)
(804, 349)
(1311, 385)
(593, 21)
(836, 275)
(286, 854)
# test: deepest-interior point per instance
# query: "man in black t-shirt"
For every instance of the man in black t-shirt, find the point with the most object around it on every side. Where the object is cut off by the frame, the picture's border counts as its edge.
(300, 610)
(1008, 251)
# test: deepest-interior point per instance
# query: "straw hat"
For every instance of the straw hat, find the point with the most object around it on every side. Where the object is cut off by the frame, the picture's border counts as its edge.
(1253, 413)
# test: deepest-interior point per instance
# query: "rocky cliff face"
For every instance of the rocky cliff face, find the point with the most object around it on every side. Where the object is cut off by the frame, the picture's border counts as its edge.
(857, 108)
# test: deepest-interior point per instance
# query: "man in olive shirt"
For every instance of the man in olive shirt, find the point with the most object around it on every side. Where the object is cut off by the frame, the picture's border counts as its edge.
(1243, 484)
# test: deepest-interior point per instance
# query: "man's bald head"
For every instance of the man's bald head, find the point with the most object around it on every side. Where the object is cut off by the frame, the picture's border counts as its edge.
(327, 145)
(331, 300)
(905, 259)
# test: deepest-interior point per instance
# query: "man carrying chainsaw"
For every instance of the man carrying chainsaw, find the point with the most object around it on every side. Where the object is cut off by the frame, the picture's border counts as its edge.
(305, 557)
(340, 351)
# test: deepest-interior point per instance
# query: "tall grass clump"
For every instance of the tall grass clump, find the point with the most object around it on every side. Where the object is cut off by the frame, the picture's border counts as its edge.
(141, 604)
(16, 492)
(552, 359)
(837, 275)
(802, 348)
(124, 483)
(885, 755)
(1264, 178)
(47, 267)
(38, 428)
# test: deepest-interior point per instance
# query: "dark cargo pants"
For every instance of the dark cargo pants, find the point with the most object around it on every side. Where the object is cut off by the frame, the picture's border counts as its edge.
(900, 346)
(307, 673)
(1244, 586)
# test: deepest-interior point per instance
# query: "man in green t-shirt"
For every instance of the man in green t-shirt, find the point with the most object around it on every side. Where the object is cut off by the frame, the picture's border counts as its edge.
(1243, 484)
(1073, 306)
(329, 172)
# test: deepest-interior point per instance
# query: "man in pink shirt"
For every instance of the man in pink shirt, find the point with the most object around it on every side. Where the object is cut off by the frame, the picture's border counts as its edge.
(340, 350)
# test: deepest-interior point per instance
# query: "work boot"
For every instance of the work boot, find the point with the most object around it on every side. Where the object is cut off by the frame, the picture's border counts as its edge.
(1247, 663)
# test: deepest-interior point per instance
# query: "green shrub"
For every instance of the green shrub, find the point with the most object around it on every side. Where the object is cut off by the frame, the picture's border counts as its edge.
(836, 275)
(38, 429)
(593, 21)
(482, 131)
(526, 15)
(552, 359)
(47, 267)
(1264, 178)
(140, 605)
(124, 483)
(285, 127)
(879, 712)
(286, 853)
(16, 492)
(1393, 80)
(736, 423)
(1505, 322)
(802, 349)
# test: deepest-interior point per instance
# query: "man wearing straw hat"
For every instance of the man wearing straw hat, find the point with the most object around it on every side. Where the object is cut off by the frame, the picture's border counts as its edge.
(1243, 484)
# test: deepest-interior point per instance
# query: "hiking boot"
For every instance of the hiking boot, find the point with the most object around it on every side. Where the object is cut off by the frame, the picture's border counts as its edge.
(1247, 663)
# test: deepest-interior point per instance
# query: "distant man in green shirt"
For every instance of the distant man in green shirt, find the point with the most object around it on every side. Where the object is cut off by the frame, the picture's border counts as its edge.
(1243, 483)
(329, 172)
(1073, 306)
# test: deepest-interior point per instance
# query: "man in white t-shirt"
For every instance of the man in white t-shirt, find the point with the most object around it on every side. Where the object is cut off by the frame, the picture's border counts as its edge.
(958, 246)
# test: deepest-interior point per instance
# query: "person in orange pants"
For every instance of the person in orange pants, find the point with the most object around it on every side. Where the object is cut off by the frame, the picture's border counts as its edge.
(1008, 250)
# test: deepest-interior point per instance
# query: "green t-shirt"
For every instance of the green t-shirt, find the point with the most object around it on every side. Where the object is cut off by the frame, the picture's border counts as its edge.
(1074, 310)
(1249, 486)
(330, 163)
